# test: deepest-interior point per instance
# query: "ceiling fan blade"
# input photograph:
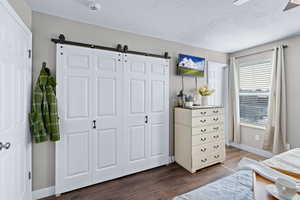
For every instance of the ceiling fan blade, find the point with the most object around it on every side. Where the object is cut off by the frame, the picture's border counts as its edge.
(291, 4)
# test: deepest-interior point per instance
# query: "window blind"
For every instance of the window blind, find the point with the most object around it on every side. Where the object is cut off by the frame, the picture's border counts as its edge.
(255, 83)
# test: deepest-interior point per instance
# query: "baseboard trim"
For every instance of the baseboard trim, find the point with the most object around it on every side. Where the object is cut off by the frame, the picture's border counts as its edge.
(42, 193)
(172, 159)
(253, 150)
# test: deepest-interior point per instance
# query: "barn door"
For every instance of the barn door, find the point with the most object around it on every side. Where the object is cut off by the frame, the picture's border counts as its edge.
(108, 108)
(146, 120)
(75, 72)
(15, 86)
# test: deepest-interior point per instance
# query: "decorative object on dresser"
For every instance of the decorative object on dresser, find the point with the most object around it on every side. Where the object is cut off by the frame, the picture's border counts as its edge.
(199, 137)
(205, 92)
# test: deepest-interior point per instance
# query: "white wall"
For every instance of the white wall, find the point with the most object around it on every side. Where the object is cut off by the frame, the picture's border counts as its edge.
(23, 10)
(45, 27)
(293, 93)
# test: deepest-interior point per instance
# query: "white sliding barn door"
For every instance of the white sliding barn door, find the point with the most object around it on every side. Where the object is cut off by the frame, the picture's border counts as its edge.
(159, 111)
(137, 99)
(114, 115)
(75, 92)
(146, 125)
(108, 136)
(15, 87)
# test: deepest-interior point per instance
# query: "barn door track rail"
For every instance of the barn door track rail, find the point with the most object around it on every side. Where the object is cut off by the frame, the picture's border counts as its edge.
(122, 49)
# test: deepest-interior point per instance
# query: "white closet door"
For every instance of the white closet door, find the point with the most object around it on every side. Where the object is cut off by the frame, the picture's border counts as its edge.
(137, 99)
(159, 111)
(15, 86)
(74, 150)
(146, 112)
(108, 136)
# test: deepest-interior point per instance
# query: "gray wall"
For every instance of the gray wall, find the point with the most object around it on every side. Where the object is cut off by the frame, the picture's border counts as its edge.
(44, 27)
(23, 10)
(293, 93)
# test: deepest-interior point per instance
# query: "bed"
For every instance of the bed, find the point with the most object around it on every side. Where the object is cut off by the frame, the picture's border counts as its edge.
(250, 181)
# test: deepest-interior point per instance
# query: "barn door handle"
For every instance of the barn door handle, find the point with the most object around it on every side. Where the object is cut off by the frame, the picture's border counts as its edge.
(94, 124)
(146, 119)
(7, 145)
(4, 146)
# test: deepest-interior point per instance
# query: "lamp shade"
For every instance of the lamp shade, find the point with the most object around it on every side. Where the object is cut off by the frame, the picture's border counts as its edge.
(292, 4)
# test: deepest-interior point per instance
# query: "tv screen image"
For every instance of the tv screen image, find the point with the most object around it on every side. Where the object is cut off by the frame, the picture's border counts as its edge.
(190, 65)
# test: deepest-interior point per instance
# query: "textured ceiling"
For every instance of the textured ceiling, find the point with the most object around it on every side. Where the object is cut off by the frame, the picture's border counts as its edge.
(211, 24)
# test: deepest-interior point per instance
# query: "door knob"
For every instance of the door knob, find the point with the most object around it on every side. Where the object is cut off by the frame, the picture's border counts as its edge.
(5, 146)
(146, 119)
(94, 124)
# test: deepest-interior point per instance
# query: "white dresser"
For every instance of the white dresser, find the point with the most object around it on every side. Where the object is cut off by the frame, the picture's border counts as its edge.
(199, 137)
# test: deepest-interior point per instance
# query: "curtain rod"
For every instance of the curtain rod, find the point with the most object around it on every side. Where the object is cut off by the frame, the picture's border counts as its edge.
(259, 52)
(62, 40)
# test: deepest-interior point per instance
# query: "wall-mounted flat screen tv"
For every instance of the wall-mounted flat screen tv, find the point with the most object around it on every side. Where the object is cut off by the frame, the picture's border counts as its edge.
(190, 65)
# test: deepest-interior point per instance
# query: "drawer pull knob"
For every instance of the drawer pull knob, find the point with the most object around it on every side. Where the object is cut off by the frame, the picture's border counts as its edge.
(203, 130)
(216, 119)
(215, 111)
(204, 160)
(217, 156)
(216, 136)
(203, 139)
(217, 146)
(203, 113)
(216, 128)
(203, 150)
(203, 120)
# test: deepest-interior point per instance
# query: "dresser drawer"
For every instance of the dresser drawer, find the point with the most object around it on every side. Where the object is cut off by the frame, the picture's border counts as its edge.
(204, 121)
(201, 161)
(200, 139)
(216, 136)
(217, 146)
(207, 112)
(208, 129)
(202, 150)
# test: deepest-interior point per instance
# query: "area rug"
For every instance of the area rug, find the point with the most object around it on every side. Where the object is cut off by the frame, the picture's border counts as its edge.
(238, 186)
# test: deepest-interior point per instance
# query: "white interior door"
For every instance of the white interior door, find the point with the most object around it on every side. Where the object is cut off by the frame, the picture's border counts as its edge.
(216, 81)
(136, 119)
(108, 134)
(159, 111)
(75, 93)
(146, 121)
(15, 86)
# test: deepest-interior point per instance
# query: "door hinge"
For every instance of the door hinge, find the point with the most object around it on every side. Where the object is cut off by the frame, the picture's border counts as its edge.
(29, 175)
(29, 53)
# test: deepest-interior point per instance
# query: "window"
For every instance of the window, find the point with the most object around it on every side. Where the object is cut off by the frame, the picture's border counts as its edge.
(255, 83)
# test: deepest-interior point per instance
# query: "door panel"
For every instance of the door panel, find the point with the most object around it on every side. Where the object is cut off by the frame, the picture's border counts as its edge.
(77, 97)
(146, 112)
(74, 153)
(157, 144)
(107, 148)
(15, 85)
(108, 137)
(136, 96)
(159, 111)
(137, 143)
(78, 158)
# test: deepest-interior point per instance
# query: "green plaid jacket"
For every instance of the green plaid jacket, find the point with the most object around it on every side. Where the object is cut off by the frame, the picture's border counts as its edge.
(44, 117)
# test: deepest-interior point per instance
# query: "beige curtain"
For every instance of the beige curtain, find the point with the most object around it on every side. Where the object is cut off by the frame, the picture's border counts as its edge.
(234, 103)
(275, 137)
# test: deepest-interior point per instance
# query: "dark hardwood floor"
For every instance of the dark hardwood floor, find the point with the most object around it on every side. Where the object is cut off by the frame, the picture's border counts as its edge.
(161, 183)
